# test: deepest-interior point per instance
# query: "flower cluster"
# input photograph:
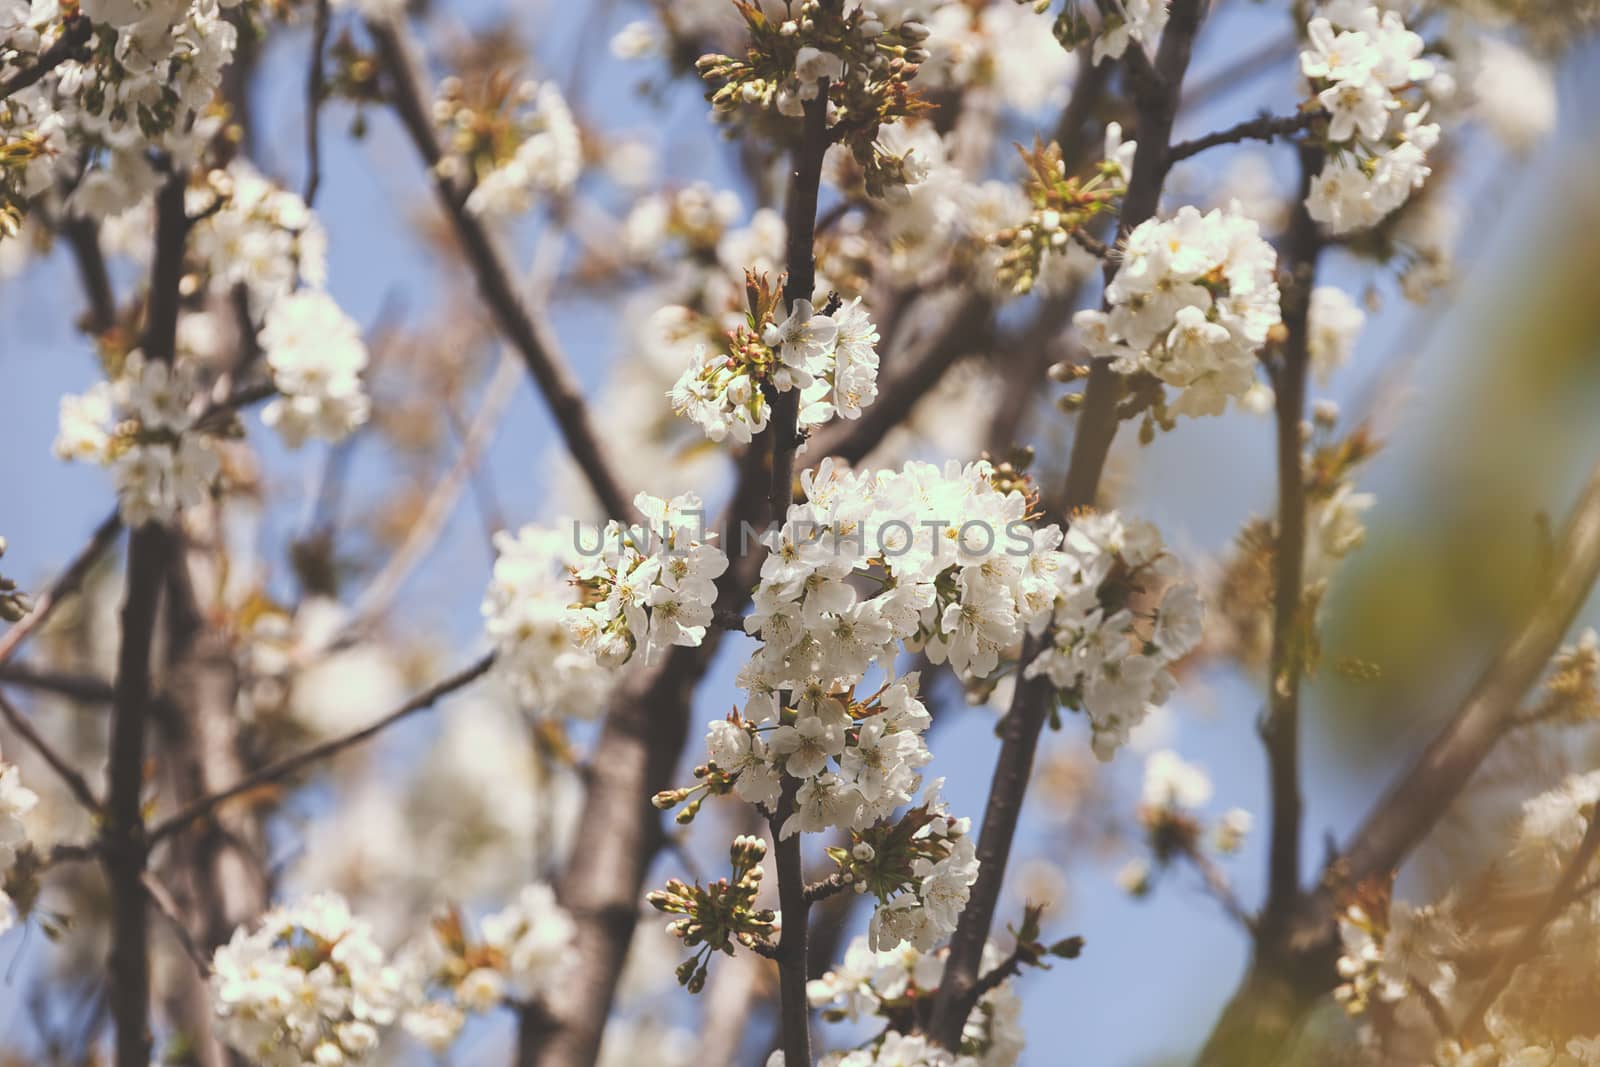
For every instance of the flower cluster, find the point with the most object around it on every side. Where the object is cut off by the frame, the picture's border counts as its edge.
(921, 868)
(316, 356)
(16, 801)
(142, 86)
(1192, 302)
(528, 615)
(1110, 572)
(868, 56)
(143, 426)
(890, 985)
(1364, 68)
(1060, 207)
(14, 603)
(252, 232)
(720, 915)
(509, 141)
(521, 952)
(1390, 950)
(308, 986)
(561, 612)
(831, 358)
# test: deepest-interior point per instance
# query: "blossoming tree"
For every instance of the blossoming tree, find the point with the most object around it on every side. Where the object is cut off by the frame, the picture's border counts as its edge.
(820, 462)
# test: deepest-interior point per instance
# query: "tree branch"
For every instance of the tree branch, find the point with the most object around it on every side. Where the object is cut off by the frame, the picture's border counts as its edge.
(75, 782)
(1097, 427)
(73, 37)
(1280, 728)
(1261, 128)
(520, 322)
(282, 768)
(1420, 795)
(67, 583)
(800, 216)
(315, 92)
(122, 835)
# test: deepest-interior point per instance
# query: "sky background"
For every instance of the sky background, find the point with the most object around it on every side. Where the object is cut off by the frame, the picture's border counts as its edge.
(1156, 971)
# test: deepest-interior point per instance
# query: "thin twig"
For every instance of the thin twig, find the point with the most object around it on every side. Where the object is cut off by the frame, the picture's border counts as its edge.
(283, 768)
(83, 688)
(424, 532)
(75, 782)
(67, 583)
(832, 885)
(162, 899)
(1261, 128)
(517, 319)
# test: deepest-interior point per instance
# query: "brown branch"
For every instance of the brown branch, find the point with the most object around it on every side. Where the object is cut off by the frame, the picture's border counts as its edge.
(1293, 969)
(83, 688)
(74, 781)
(1097, 426)
(830, 886)
(83, 236)
(162, 899)
(315, 93)
(1420, 795)
(517, 319)
(122, 835)
(1561, 897)
(283, 768)
(800, 217)
(73, 37)
(1280, 729)
(67, 583)
(1261, 128)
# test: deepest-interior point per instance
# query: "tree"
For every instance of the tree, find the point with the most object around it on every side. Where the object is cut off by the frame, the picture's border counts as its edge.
(228, 872)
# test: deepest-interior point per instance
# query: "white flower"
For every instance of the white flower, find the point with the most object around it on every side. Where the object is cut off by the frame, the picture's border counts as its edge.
(1128, 22)
(1335, 321)
(548, 160)
(316, 356)
(535, 937)
(1169, 782)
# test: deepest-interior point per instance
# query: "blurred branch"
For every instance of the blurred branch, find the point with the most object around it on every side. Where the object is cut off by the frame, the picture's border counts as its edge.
(75, 782)
(423, 534)
(1420, 795)
(67, 583)
(1157, 102)
(282, 768)
(517, 319)
(83, 688)
(83, 237)
(1566, 891)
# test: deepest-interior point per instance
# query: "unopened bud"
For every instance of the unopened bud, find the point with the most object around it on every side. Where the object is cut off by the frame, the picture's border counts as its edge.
(913, 31)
